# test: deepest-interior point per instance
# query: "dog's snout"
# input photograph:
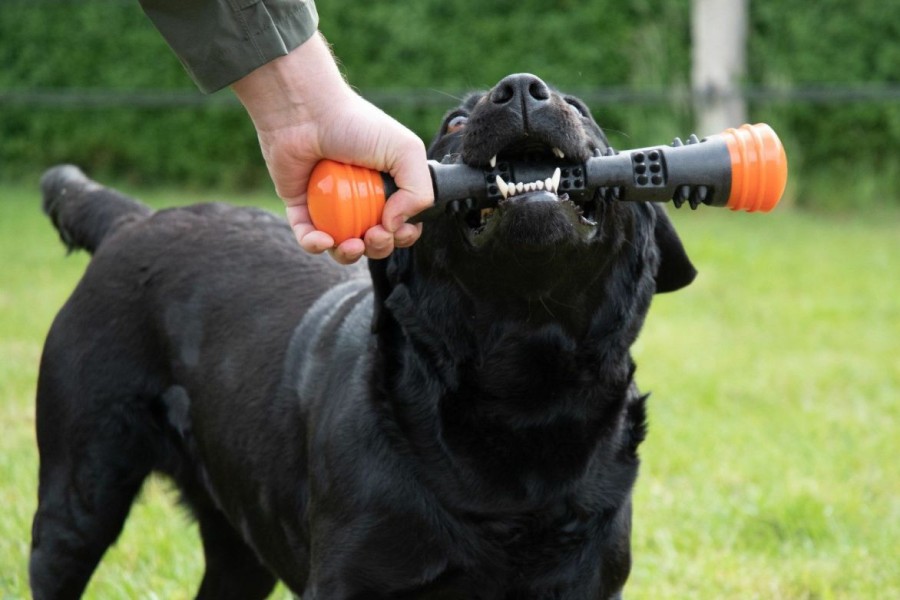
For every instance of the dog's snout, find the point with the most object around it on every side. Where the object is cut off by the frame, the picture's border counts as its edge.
(523, 88)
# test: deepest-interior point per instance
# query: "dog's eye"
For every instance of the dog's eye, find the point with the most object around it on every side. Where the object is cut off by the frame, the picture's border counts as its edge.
(457, 123)
(577, 107)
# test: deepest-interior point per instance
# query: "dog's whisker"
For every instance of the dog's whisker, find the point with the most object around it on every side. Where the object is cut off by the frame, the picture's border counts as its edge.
(447, 94)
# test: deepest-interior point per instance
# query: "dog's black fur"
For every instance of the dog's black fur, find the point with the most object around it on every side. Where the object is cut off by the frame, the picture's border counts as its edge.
(463, 424)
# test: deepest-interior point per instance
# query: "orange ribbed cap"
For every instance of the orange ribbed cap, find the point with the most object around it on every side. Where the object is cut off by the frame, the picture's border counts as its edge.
(758, 167)
(344, 200)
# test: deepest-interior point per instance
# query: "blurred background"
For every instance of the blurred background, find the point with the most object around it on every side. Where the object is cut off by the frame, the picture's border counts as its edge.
(770, 469)
(92, 82)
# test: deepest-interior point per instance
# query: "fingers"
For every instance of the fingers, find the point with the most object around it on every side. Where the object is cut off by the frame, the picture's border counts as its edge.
(376, 243)
(317, 242)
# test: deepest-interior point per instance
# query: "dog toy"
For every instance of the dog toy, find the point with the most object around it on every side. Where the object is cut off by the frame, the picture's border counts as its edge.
(742, 169)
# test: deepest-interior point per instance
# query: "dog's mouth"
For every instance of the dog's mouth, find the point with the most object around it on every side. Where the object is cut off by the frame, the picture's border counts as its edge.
(541, 195)
(530, 143)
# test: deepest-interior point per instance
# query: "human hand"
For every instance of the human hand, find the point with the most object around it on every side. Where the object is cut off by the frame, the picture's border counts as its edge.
(304, 111)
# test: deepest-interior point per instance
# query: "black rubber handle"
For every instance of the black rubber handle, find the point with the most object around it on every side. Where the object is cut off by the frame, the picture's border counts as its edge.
(696, 172)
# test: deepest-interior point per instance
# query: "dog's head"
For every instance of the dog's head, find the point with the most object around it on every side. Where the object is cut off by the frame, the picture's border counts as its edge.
(537, 244)
(504, 337)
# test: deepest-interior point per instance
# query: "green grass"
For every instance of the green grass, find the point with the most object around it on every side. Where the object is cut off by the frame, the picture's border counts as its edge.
(770, 469)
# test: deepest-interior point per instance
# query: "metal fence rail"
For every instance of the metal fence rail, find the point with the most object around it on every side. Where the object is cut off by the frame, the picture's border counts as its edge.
(90, 98)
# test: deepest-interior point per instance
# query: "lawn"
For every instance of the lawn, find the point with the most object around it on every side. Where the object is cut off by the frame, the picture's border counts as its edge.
(770, 469)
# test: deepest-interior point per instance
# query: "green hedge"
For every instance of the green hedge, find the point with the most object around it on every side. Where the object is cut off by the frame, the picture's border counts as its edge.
(111, 45)
(448, 47)
(847, 154)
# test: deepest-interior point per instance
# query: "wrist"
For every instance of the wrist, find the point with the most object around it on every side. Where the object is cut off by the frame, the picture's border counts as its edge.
(292, 88)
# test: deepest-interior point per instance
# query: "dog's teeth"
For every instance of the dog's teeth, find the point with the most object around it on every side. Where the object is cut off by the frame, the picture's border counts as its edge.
(509, 188)
(556, 176)
(559, 153)
(501, 185)
(494, 161)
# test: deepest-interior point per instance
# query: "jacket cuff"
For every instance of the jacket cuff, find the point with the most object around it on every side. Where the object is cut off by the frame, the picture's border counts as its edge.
(220, 41)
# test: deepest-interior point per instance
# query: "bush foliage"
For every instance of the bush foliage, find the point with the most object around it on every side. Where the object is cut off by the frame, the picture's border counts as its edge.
(435, 49)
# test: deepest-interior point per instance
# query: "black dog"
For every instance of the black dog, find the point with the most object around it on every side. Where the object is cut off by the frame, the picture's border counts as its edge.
(461, 424)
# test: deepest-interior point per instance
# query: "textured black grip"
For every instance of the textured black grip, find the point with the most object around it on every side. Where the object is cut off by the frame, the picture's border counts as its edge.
(389, 185)
(696, 172)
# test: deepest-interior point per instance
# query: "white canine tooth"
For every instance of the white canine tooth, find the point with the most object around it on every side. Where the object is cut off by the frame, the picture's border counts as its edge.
(539, 184)
(559, 153)
(556, 175)
(493, 161)
(501, 185)
(548, 184)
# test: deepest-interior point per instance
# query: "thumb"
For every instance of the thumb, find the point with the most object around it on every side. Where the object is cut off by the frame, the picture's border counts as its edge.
(415, 190)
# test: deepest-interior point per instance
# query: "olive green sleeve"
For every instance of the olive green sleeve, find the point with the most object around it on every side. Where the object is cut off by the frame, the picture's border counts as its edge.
(220, 41)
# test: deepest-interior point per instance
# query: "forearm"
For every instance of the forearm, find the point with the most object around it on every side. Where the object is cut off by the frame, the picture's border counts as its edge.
(220, 41)
(292, 89)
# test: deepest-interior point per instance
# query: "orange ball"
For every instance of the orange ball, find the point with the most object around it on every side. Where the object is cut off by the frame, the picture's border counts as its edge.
(344, 200)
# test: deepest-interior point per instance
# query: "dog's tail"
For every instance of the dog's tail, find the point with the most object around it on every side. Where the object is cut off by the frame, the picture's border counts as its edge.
(83, 211)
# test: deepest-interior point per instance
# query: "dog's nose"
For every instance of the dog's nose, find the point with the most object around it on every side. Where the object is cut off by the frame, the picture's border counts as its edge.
(524, 88)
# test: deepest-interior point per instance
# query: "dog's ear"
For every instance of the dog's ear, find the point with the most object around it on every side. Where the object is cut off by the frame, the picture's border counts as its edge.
(381, 287)
(386, 274)
(675, 268)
